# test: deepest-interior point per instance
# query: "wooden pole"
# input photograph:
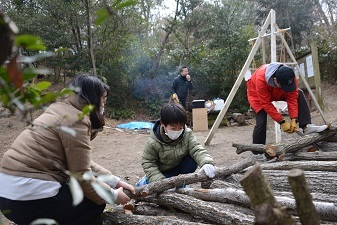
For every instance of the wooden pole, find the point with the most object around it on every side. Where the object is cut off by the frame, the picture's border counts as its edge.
(305, 207)
(301, 75)
(238, 81)
(317, 73)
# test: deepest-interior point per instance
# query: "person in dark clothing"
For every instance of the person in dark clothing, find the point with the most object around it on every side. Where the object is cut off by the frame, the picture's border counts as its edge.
(182, 84)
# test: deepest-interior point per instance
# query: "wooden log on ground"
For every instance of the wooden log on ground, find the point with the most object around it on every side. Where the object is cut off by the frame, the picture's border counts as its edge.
(151, 209)
(316, 196)
(330, 166)
(262, 199)
(326, 210)
(183, 179)
(282, 149)
(305, 208)
(317, 156)
(115, 217)
(318, 181)
(239, 118)
(328, 146)
(209, 211)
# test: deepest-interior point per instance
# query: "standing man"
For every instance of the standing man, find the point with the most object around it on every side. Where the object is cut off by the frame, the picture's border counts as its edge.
(181, 84)
(277, 82)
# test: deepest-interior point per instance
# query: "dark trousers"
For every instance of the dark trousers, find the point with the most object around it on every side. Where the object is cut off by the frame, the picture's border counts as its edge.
(58, 208)
(182, 101)
(260, 129)
(186, 165)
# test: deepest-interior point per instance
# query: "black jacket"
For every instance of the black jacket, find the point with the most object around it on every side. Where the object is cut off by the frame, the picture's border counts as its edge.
(181, 86)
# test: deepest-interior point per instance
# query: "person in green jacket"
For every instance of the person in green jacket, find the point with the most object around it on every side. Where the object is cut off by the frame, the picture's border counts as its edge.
(172, 149)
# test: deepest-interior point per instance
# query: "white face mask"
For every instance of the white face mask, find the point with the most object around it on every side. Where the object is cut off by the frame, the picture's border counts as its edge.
(101, 110)
(174, 135)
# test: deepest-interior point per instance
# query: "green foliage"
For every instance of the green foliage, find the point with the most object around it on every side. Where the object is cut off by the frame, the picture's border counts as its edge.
(119, 114)
(30, 42)
(139, 61)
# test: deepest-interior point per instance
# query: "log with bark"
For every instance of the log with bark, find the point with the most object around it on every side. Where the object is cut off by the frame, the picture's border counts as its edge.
(318, 181)
(305, 208)
(183, 179)
(326, 210)
(239, 118)
(281, 149)
(114, 218)
(330, 166)
(210, 211)
(266, 208)
(316, 196)
(318, 156)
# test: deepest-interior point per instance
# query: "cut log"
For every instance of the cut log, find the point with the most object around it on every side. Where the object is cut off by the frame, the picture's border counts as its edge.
(330, 166)
(318, 156)
(326, 210)
(239, 118)
(328, 146)
(316, 196)
(114, 217)
(318, 182)
(183, 179)
(262, 199)
(282, 149)
(257, 187)
(151, 209)
(209, 211)
(305, 208)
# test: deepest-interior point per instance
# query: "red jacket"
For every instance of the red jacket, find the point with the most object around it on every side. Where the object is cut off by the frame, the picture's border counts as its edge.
(261, 94)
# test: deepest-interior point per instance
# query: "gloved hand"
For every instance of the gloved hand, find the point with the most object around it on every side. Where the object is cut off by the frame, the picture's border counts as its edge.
(208, 169)
(175, 98)
(293, 125)
(285, 126)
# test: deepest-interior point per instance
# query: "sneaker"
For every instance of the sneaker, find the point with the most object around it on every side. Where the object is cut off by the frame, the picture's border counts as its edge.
(312, 128)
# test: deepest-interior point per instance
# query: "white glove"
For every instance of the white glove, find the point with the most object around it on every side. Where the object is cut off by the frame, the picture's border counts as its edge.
(208, 169)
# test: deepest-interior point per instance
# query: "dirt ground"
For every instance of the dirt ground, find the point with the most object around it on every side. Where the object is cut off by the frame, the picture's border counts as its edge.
(120, 151)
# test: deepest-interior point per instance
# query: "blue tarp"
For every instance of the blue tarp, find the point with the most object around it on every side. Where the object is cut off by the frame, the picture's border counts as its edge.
(136, 125)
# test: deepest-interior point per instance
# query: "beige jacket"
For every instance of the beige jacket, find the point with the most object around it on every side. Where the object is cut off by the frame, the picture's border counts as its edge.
(44, 151)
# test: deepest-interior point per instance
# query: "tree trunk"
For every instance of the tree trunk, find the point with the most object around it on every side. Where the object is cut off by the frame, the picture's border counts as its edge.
(282, 149)
(330, 166)
(209, 211)
(305, 208)
(317, 181)
(316, 196)
(316, 156)
(90, 38)
(262, 199)
(326, 210)
(183, 179)
(114, 217)
(240, 118)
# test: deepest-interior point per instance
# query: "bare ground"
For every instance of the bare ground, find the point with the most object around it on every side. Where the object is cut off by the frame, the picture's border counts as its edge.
(120, 151)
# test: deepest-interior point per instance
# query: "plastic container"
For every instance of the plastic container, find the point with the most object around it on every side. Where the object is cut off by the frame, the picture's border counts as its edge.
(219, 104)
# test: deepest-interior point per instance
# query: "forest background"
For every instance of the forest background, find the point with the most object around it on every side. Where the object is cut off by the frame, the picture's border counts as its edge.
(137, 48)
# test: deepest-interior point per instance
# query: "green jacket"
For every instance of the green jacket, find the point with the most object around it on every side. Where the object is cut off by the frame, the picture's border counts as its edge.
(162, 154)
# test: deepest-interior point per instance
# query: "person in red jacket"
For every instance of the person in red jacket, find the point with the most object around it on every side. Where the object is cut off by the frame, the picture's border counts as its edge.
(277, 82)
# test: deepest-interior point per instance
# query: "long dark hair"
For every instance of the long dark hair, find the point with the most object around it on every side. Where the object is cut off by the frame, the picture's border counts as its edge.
(91, 89)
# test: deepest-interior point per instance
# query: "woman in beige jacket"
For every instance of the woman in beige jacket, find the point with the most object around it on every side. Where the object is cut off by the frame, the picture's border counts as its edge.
(33, 178)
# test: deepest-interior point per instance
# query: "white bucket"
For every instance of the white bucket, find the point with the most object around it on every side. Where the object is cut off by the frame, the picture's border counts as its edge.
(219, 104)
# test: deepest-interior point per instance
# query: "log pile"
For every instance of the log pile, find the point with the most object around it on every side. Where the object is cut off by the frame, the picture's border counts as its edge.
(297, 188)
